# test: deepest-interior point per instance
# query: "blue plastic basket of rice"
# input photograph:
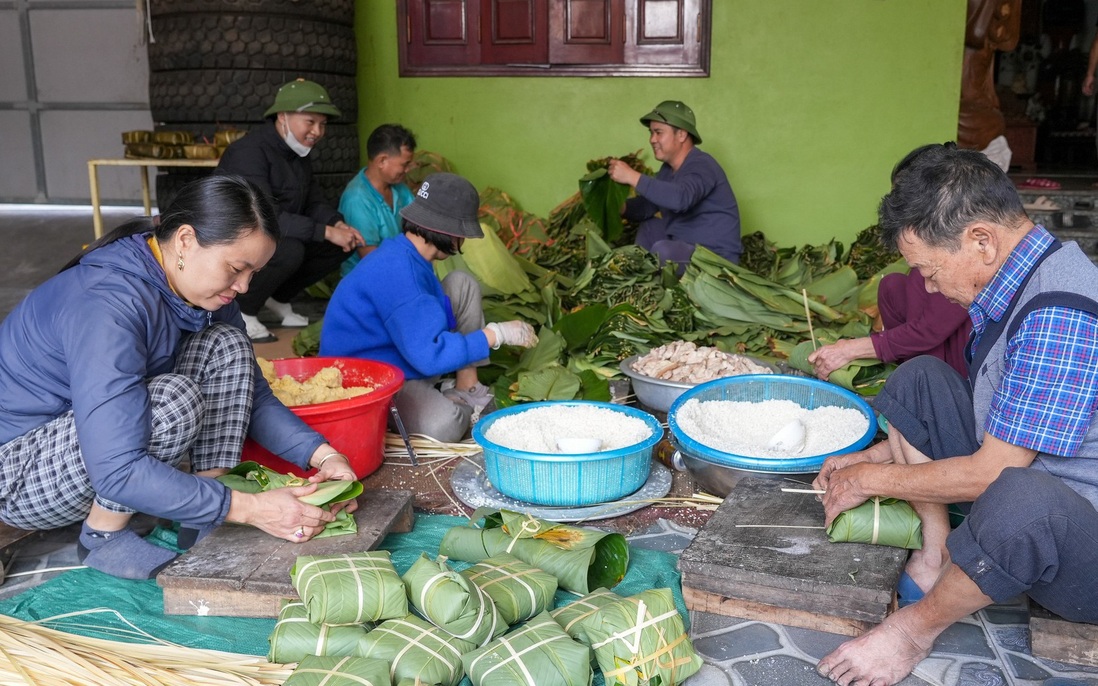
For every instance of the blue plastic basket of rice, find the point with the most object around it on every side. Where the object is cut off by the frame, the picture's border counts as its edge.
(560, 479)
(807, 392)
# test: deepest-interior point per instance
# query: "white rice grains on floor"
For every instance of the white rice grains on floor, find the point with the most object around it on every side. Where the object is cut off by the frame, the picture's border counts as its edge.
(745, 428)
(538, 429)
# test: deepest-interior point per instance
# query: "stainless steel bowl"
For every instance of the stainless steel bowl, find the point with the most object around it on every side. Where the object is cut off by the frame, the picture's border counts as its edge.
(659, 394)
(720, 479)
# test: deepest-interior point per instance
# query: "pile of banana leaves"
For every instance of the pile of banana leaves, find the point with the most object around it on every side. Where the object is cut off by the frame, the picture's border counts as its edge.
(596, 299)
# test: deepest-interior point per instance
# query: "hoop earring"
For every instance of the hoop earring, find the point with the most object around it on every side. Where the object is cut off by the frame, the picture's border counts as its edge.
(179, 263)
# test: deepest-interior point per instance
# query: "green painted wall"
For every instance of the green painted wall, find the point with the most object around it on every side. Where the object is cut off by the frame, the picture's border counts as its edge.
(808, 105)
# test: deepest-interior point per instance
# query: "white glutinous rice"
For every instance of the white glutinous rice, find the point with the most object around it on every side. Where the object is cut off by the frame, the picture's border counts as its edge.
(538, 429)
(745, 428)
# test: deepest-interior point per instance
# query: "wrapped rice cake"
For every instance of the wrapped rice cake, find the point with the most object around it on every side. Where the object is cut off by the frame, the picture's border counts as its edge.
(879, 521)
(537, 654)
(641, 640)
(571, 616)
(581, 559)
(340, 671)
(452, 602)
(417, 649)
(519, 590)
(349, 589)
(294, 637)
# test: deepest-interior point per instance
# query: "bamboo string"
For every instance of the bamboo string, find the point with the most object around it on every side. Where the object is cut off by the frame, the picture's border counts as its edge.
(808, 315)
(34, 654)
(803, 490)
(776, 526)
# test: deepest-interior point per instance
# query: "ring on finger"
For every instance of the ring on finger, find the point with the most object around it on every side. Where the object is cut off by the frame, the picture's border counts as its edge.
(300, 533)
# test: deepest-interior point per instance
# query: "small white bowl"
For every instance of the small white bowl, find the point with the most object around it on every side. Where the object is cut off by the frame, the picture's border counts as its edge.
(579, 446)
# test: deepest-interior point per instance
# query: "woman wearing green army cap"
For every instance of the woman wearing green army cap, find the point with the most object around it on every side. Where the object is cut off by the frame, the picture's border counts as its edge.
(689, 201)
(315, 238)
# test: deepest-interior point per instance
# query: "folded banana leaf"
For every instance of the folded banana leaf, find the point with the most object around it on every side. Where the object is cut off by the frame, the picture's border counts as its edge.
(538, 653)
(518, 590)
(418, 650)
(295, 637)
(881, 521)
(349, 589)
(571, 616)
(339, 671)
(452, 602)
(641, 640)
(580, 558)
(252, 477)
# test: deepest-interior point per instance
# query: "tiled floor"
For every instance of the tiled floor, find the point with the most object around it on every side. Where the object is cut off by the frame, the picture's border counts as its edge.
(988, 649)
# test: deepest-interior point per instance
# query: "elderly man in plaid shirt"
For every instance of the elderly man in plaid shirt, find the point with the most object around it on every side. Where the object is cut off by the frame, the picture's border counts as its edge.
(1016, 443)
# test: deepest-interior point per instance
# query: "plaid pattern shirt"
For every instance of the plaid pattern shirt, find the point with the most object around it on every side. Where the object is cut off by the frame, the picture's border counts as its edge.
(1047, 398)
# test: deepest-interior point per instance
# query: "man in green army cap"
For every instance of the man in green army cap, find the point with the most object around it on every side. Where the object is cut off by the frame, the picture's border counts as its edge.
(315, 238)
(689, 201)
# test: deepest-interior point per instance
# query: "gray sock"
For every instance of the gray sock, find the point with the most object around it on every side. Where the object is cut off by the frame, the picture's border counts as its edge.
(121, 553)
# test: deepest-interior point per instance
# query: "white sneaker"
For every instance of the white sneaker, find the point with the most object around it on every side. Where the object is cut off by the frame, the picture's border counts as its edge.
(256, 331)
(286, 311)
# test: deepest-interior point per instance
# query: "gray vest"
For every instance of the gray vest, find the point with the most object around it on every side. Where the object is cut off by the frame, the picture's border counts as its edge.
(1068, 269)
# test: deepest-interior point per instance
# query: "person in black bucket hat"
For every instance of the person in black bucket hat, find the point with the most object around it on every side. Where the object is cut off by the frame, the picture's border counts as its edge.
(393, 308)
(689, 201)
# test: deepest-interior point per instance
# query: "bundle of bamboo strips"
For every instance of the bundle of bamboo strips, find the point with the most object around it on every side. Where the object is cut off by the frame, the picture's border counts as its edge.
(427, 447)
(34, 654)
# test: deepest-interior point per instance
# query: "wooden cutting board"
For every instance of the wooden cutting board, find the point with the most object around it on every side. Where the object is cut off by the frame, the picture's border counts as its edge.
(240, 571)
(790, 576)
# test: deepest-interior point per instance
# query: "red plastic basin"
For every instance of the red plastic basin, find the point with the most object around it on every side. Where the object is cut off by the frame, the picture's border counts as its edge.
(354, 426)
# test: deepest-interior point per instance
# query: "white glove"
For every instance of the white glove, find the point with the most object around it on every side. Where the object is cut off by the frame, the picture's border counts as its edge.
(513, 333)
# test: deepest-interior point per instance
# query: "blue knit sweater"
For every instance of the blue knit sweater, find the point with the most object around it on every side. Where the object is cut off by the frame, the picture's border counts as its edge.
(391, 308)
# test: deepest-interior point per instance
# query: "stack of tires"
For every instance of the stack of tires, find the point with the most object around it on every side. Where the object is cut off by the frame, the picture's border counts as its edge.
(217, 64)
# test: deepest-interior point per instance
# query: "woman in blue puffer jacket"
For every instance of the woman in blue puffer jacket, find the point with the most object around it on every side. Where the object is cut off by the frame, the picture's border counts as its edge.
(132, 363)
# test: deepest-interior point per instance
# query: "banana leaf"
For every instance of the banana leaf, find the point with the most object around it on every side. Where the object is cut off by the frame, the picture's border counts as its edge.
(417, 650)
(538, 653)
(641, 640)
(339, 671)
(518, 590)
(579, 326)
(294, 637)
(351, 588)
(834, 288)
(571, 616)
(864, 376)
(880, 521)
(492, 264)
(307, 341)
(603, 198)
(550, 383)
(452, 602)
(580, 558)
(251, 477)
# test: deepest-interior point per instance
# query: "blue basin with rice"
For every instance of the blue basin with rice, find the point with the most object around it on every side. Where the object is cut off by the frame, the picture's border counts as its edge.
(717, 470)
(567, 479)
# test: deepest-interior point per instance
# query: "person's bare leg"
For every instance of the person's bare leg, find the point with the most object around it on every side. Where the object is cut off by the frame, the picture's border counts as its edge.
(108, 544)
(925, 565)
(465, 378)
(105, 520)
(890, 651)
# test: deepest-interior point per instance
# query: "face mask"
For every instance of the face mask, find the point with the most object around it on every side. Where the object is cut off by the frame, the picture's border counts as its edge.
(297, 146)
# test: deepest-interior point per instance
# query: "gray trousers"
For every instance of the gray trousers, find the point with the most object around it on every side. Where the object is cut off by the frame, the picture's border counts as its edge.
(202, 409)
(1029, 532)
(423, 408)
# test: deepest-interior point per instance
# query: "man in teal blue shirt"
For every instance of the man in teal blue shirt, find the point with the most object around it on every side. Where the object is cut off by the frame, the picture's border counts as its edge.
(374, 197)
